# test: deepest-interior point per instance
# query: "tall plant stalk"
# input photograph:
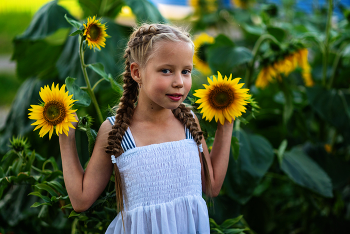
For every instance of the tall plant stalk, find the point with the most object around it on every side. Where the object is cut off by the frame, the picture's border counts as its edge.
(326, 42)
(87, 81)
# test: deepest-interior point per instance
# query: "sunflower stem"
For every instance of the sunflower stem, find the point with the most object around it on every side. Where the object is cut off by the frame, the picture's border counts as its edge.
(338, 56)
(87, 81)
(99, 81)
(255, 52)
(326, 43)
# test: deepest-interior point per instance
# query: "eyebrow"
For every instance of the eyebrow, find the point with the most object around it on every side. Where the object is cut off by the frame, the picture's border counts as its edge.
(170, 65)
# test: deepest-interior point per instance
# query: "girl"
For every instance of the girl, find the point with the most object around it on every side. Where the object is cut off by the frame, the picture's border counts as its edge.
(160, 159)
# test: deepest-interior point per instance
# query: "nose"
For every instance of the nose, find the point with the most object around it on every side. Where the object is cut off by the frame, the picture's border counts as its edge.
(178, 80)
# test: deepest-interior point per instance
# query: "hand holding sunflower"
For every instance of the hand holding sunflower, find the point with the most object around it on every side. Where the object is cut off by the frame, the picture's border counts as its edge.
(55, 112)
(223, 99)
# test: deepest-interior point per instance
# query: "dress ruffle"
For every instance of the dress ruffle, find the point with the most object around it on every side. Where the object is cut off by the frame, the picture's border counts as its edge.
(164, 218)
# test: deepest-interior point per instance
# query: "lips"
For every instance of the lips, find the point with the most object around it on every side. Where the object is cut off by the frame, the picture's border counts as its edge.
(175, 96)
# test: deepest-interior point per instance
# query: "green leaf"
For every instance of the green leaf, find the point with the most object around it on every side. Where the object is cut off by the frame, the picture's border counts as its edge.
(281, 150)
(306, 173)
(118, 88)
(230, 222)
(76, 33)
(46, 188)
(73, 214)
(38, 194)
(57, 186)
(145, 11)
(78, 94)
(213, 223)
(223, 55)
(234, 231)
(108, 9)
(217, 230)
(234, 147)
(337, 168)
(37, 204)
(245, 173)
(47, 20)
(99, 69)
(52, 161)
(277, 32)
(69, 206)
(323, 102)
(74, 23)
(45, 53)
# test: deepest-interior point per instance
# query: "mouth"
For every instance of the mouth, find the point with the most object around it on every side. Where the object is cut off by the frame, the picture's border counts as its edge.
(175, 97)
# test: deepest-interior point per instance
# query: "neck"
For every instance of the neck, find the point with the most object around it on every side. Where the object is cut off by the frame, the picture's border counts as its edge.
(152, 113)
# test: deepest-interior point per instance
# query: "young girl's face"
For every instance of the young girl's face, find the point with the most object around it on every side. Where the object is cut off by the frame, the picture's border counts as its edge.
(166, 78)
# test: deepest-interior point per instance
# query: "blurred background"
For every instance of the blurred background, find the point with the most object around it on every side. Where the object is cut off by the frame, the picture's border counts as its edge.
(289, 169)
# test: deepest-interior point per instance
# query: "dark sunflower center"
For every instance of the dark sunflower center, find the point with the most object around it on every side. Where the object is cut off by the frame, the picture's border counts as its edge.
(221, 97)
(201, 52)
(94, 32)
(54, 112)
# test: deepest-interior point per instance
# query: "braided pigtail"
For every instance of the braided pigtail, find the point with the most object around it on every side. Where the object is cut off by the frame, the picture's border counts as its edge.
(184, 115)
(122, 121)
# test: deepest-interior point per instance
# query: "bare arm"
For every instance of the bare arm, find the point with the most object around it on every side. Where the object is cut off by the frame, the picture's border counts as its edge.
(84, 187)
(218, 158)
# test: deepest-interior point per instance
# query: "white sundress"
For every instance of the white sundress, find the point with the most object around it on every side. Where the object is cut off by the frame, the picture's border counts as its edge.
(163, 188)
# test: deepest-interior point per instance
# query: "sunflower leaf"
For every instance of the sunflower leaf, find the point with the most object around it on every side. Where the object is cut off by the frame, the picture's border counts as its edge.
(74, 23)
(76, 33)
(145, 11)
(99, 69)
(306, 172)
(244, 174)
(78, 94)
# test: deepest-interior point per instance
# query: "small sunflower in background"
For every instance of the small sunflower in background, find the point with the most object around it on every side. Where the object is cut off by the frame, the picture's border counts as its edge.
(205, 6)
(301, 56)
(201, 43)
(266, 75)
(55, 112)
(243, 4)
(95, 33)
(284, 65)
(223, 99)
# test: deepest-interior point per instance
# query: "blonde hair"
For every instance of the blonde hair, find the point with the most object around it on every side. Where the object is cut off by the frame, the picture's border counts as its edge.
(139, 49)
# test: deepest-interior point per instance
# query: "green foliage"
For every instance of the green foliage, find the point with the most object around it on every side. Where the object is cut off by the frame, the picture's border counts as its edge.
(244, 174)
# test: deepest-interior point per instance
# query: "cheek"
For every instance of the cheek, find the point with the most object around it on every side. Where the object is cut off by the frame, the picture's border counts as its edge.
(161, 85)
(188, 84)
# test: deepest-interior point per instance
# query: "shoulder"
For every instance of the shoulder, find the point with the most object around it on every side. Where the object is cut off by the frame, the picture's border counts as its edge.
(195, 117)
(104, 130)
(106, 126)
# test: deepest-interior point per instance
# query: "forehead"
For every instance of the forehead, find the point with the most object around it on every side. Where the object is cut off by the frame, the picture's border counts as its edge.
(172, 52)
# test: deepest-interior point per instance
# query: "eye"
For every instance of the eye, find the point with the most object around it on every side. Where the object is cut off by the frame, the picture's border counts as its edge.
(166, 71)
(186, 72)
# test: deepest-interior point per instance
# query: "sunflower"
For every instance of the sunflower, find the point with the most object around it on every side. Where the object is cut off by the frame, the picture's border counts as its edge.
(266, 76)
(204, 5)
(241, 3)
(201, 43)
(223, 98)
(285, 66)
(95, 33)
(301, 56)
(54, 112)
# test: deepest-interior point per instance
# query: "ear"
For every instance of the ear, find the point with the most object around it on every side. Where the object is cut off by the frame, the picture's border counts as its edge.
(135, 72)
